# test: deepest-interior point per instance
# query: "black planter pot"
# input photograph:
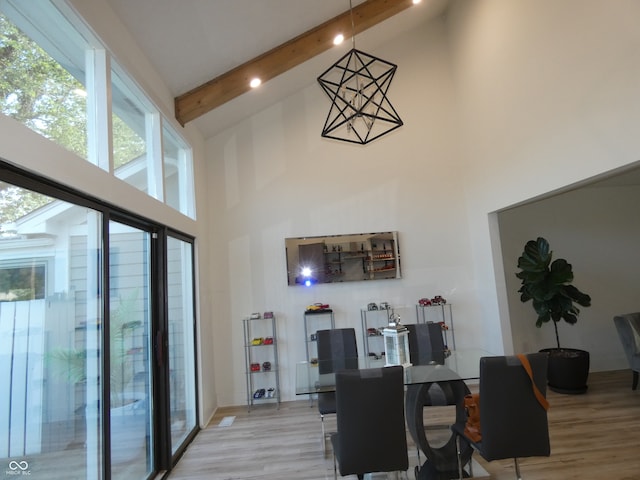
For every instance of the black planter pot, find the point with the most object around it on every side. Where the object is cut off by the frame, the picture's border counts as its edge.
(568, 370)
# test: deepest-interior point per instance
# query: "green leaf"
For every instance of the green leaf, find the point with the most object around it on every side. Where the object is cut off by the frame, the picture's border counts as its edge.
(542, 319)
(548, 284)
(561, 272)
(570, 318)
(577, 296)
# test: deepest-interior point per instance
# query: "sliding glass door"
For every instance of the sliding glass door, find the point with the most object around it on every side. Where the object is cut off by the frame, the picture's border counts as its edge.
(88, 389)
(181, 340)
(51, 423)
(131, 401)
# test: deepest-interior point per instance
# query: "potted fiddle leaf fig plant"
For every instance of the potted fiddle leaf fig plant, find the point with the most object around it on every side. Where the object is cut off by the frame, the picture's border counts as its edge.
(548, 284)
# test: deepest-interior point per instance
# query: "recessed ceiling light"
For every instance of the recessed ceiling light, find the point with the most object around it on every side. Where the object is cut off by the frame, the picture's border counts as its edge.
(338, 39)
(415, 2)
(255, 82)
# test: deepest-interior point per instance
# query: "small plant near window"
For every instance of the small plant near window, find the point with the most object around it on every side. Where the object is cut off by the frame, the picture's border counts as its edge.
(71, 364)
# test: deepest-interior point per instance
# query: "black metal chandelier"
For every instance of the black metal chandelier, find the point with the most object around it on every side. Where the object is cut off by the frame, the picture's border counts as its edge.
(357, 85)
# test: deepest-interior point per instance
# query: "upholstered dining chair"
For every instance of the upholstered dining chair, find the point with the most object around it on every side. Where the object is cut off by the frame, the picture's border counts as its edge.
(337, 350)
(628, 327)
(426, 346)
(371, 434)
(513, 420)
(426, 343)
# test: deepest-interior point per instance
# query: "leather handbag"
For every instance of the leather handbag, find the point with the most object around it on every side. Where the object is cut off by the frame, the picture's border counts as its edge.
(472, 427)
(472, 404)
(527, 366)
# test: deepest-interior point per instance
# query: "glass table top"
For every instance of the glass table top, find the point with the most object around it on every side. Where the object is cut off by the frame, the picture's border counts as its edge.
(458, 365)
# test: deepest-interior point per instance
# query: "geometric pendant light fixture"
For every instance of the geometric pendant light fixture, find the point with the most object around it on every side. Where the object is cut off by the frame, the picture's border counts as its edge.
(357, 85)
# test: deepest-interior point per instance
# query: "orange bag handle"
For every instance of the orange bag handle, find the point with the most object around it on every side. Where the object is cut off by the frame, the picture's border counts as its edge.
(527, 366)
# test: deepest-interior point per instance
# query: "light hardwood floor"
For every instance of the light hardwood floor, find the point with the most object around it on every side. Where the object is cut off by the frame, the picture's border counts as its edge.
(593, 436)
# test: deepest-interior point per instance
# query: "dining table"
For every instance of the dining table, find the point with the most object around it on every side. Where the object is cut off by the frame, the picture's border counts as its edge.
(438, 382)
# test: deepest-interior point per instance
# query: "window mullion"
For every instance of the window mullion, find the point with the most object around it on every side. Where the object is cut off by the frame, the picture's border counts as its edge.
(155, 168)
(99, 133)
(185, 182)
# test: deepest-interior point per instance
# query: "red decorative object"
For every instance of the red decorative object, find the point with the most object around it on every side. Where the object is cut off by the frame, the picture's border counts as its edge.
(438, 300)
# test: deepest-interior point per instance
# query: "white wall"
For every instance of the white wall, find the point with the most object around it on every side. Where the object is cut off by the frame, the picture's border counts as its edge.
(272, 177)
(546, 95)
(540, 90)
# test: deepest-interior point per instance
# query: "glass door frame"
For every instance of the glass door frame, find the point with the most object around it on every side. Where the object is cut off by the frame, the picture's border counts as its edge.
(166, 454)
(163, 460)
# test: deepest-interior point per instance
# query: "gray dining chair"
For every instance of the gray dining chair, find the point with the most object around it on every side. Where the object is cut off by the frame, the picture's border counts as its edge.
(426, 343)
(512, 420)
(628, 327)
(337, 350)
(371, 434)
(426, 346)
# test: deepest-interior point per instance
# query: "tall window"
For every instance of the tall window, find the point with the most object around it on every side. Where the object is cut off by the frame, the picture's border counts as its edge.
(133, 132)
(60, 81)
(178, 173)
(45, 93)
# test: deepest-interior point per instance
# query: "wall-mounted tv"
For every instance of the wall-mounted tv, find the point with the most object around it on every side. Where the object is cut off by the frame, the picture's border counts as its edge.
(342, 258)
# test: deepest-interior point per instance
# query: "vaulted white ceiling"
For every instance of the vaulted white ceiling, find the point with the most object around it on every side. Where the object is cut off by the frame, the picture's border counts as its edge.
(190, 42)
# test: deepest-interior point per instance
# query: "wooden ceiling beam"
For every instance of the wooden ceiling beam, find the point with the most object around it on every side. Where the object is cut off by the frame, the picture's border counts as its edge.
(234, 83)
